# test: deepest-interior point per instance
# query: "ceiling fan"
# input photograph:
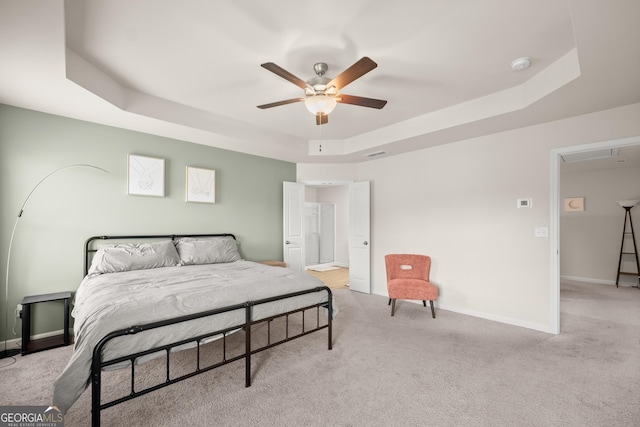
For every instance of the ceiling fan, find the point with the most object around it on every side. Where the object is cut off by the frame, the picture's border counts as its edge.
(321, 93)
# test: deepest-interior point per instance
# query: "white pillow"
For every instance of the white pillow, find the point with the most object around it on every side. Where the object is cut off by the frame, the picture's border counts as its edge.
(207, 250)
(134, 256)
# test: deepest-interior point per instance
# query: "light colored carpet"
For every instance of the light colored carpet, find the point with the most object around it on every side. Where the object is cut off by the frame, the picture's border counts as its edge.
(409, 370)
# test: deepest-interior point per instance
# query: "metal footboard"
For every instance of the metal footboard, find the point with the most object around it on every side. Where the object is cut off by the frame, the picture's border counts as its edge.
(308, 326)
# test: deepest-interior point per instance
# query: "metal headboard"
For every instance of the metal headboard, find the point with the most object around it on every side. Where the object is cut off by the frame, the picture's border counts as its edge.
(89, 250)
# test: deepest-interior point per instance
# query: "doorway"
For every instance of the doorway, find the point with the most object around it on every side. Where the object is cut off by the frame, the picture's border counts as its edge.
(320, 221)
(329, 196)
(556, 160)
(352, 226)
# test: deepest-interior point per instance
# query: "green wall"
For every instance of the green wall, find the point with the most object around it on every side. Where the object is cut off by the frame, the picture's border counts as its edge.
(78, 202)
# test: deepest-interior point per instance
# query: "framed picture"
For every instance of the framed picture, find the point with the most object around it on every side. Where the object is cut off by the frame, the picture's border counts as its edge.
(145, 176)
(201, 185)
(574, 204)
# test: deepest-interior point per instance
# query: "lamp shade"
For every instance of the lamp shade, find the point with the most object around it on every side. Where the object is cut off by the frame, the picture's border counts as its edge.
(628, 203)
(320, 104)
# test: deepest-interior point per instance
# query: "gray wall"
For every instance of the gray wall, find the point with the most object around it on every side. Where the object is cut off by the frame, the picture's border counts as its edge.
(77, 203)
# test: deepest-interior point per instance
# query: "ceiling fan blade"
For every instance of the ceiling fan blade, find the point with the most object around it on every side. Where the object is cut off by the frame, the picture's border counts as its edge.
(322, 119)
(279, 103)
(363, 102)
(278, 70)
(357, 70)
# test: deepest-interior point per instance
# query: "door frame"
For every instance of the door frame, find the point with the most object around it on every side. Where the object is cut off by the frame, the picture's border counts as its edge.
(296, 240)
(554, 209)
(332, 183)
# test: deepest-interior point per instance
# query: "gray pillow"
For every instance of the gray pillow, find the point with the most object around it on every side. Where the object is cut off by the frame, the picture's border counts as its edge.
(207, 250)
(134, 256)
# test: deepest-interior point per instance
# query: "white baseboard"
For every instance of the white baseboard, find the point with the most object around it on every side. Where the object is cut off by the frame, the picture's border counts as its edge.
(596, 281)
(492, 317)
(501, 319)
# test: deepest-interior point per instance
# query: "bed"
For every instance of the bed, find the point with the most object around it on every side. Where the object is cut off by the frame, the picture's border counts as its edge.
(147, 297)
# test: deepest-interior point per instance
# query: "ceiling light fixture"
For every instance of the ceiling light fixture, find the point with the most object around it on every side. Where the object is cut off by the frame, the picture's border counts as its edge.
(521, 64)
(320, 104)
(322, 93)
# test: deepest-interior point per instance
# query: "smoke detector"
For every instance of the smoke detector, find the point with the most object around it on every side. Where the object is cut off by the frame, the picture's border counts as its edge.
(521, 64)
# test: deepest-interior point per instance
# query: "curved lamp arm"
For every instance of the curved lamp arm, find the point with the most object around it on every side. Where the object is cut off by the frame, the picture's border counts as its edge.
(13, 232)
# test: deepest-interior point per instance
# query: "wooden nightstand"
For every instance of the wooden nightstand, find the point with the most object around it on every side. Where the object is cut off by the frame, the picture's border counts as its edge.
(274, 263)
(29, 346)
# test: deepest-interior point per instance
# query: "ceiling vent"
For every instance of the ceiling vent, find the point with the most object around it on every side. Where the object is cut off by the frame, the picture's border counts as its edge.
(375, 153)
(605, 153)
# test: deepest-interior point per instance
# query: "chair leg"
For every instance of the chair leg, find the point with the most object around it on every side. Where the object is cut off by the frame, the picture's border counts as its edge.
(389, 301)
(433, 312)
(424, 303)
(393, 307)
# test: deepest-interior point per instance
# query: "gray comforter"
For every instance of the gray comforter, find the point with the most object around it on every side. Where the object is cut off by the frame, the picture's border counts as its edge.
(108, 302)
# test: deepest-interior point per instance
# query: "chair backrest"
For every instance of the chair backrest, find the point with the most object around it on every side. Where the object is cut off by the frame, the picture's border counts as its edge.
(407, 266)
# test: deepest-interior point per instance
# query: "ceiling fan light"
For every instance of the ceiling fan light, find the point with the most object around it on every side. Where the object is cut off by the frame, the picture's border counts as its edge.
(320, 104)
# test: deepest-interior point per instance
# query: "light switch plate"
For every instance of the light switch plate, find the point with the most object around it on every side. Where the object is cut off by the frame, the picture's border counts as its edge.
(541, 232)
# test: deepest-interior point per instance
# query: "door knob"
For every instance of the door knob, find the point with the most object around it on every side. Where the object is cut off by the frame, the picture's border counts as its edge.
(288, 242)
(365, 243)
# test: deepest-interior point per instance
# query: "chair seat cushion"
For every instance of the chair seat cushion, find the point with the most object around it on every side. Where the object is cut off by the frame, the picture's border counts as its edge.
(412, 289)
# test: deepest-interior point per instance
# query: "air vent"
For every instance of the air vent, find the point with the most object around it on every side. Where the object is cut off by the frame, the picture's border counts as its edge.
(375, 153)
(605, 153)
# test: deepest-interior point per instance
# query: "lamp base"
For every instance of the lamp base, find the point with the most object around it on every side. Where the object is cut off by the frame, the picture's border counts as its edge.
(9, 353)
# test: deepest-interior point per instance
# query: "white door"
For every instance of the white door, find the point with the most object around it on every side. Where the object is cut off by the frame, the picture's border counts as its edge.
(293, 217)
(359, 237)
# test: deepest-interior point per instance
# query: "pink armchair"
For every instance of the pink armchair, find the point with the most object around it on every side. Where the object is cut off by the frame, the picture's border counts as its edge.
(408, 278)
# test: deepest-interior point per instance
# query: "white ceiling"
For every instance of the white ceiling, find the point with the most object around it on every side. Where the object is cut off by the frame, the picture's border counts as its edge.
(191, 69)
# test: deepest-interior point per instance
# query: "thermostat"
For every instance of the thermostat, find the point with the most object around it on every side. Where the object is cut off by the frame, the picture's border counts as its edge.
(524, 203)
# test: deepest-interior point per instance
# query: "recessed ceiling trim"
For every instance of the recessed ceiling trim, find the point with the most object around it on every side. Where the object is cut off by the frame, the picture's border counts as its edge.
(561, 72)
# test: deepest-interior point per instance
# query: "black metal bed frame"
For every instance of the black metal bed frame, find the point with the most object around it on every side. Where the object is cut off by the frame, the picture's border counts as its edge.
(98, 364)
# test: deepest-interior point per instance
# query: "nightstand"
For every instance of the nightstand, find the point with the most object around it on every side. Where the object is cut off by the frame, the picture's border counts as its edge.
(29, 346)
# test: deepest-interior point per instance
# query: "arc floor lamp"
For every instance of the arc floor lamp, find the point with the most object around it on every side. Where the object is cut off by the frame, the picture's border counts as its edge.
(6, 352)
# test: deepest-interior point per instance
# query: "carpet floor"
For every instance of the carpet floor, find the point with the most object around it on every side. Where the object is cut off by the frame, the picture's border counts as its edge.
(409, 370)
